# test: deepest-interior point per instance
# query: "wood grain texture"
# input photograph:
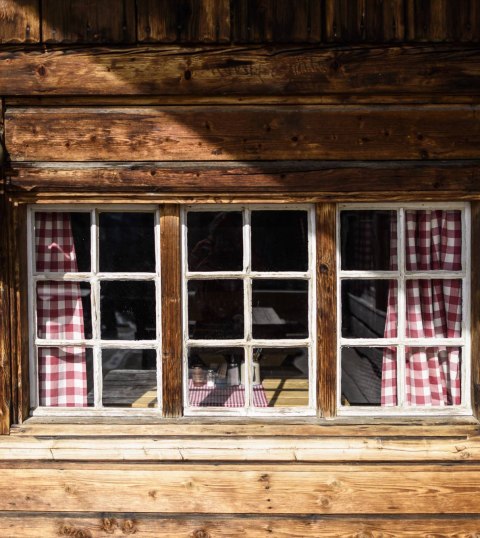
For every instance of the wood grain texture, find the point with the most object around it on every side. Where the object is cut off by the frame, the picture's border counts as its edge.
(19, 21)
(364, 20)
(241, 488)
(88, 21)
(171, 310)
(279, 21)
(184, 21)
(259, 133)
(236, 71)
(25, 525)
(443, 20)
(5, 350)
(326, 308)
(380, 179)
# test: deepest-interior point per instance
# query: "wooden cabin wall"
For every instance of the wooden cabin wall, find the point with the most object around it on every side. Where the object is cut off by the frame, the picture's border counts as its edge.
(291, 100)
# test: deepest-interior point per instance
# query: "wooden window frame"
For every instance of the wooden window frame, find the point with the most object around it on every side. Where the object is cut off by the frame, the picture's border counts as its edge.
(15, 341)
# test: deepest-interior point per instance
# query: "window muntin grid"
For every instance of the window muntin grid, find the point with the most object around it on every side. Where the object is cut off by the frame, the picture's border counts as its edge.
(401, 341)
(94, 279)
(247, 342)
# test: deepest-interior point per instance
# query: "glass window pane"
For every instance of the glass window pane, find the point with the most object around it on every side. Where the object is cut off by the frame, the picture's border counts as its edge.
(369, 308)
(65, 376)
(369, 376)
(215, 309)
(433, 240)
(127, 310)
(368, 240)
(127, 242)
(280, 377)
(279, 241)
(62, 242)
(129, 378)
(64, 310)
(280, 308)
(433, 376)
(214, 377)
(215, 241)
(434, 308)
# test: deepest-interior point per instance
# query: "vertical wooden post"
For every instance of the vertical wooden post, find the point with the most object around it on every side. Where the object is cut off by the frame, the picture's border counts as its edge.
(5, 353)
(170, 259)
(475, 307)
(326, 308)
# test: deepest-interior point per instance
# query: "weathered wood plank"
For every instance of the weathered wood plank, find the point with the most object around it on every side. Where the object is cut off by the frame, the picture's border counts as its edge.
(189, 428)
(259, 448)
(185, 21)
(255, 489)
(19, 21)
(250, 133)
(364, 20)
(25, 525)
(171, 310)
(326, 308)
(5, 351)
(234, 71)
(278, 21)
(445, 178)
(475, 307)
(80, 21)
(443, 20)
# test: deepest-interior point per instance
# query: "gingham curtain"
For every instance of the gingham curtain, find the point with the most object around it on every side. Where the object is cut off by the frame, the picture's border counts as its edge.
(62, 370)
(433, 241)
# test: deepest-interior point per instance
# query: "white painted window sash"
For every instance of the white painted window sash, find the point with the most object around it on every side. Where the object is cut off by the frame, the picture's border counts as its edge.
(248, 343)
(402, 276)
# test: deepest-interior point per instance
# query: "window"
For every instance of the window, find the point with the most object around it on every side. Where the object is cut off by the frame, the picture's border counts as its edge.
(246, 284)
(249, 327)
(404, 302)
(95, 307)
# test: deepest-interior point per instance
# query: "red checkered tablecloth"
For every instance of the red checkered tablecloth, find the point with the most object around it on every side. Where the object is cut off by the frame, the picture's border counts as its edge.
(224, 396)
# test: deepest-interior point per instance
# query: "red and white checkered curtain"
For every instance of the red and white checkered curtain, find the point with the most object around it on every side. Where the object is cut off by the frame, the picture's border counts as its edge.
(62, 370)
(433, 309)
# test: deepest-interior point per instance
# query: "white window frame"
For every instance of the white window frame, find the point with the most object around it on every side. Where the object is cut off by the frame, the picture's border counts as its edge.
(401, 341)
(94, 277)
(248, 342)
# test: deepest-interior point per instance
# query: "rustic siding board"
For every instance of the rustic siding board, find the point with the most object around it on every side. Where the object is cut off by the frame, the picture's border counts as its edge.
(184, 21)
(252, 488)
(99, 525)
(88, 21)
(364, 20)
(443, 20)
(234, 71)
(260, 133)
(19, 21)
(171, 310)
(326, 308)
(279, 21)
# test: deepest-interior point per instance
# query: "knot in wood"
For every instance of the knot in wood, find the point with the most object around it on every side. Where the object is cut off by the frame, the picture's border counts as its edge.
(130, 526)
(109, 524)
(201, 533)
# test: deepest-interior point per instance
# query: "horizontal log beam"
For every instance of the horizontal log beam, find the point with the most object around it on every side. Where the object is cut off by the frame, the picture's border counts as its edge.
(354, 70)
(239, 489)
(438, 179)
(217, 133)
(24, 525)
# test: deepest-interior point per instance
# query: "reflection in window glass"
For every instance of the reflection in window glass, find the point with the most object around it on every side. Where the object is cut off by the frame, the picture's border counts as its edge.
(279, 241)
(362, 370)
(280, 308)
(282, 374)
(127, 242)
(364, 308)
(215, 241)
(368, 240)
(215, 309)
(129, 378)
(127, 310)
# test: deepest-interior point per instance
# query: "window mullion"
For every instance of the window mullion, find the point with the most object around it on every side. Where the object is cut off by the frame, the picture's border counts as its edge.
(401, 308)
(247, 304)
